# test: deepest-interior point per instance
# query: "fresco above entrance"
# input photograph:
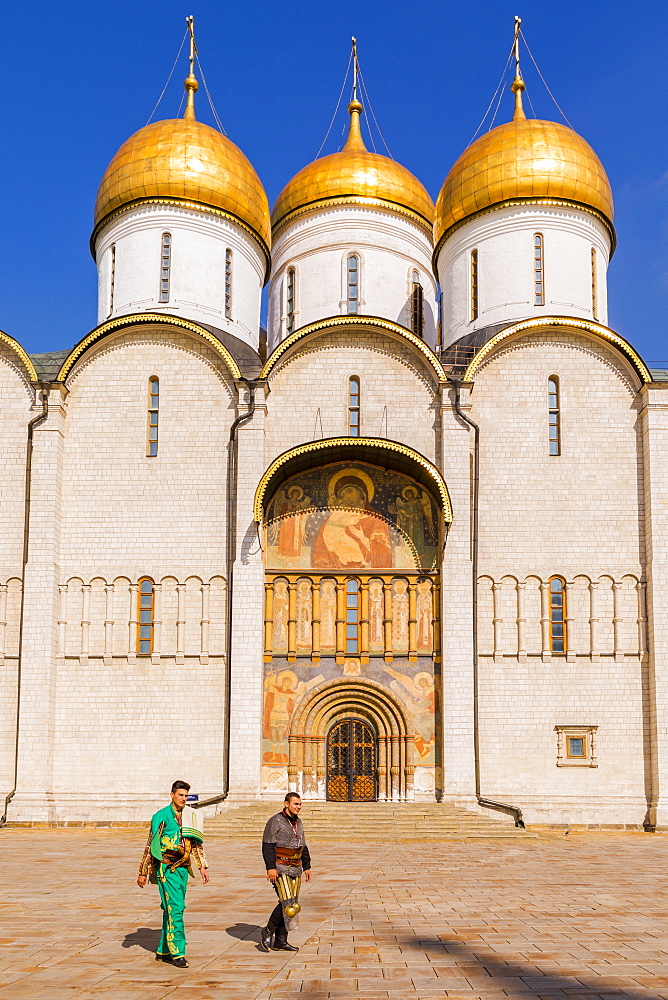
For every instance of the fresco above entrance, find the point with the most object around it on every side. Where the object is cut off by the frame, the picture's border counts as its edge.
(352, 516)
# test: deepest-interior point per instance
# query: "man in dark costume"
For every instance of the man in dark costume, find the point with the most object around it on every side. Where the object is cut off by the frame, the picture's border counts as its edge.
(286, 859)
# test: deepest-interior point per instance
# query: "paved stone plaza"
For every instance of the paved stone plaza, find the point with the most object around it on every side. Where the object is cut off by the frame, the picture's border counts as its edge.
(579, 915)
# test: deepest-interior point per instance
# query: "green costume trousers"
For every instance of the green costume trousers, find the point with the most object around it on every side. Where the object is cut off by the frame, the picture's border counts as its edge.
(172, 886)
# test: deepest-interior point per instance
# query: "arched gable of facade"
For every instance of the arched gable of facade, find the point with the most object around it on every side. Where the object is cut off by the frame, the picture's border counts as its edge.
(123, 323)
(546, 324)
(350, 324)
(12, 352)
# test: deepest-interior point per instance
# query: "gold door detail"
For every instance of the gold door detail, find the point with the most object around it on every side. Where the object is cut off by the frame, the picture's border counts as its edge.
(351, 762)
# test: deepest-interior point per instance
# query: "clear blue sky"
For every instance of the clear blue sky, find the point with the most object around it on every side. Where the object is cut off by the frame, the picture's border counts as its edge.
(81, 77)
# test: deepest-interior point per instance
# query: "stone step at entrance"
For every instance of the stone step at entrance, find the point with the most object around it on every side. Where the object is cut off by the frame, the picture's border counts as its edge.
(367, 821)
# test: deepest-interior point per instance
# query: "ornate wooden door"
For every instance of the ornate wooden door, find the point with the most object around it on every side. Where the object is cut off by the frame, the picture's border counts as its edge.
(351, 762)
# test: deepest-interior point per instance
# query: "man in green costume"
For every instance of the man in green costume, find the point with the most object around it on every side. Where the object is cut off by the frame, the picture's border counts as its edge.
(173, 843)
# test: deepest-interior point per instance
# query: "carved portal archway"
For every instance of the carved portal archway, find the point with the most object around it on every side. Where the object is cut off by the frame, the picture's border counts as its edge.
(333, 703)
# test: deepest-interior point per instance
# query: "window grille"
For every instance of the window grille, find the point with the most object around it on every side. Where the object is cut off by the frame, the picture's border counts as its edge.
(557, 615)
(145, 617)
(165, 266)
(538, 270)
(353, 284)
(290, 295)
(352, 617)
(354, 406)
(153, 406)
(474, 284)
(228, 284)
(417, 311)
(554, 415)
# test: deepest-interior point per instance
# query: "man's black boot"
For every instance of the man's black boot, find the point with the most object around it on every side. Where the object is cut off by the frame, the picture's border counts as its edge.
(266, 938)
(281, 941)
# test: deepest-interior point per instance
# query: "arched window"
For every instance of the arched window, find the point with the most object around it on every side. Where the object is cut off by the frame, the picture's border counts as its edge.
(145, 617)
(557, 615)
(474, 284)
(228, 284)
(352, 617)
(112, 277)
(353, 284)
(554, 415)
(538, 270)
(153, 406)
(354, 406)
(290, 301)
(594, 285)
(417, 310)
(165, 266)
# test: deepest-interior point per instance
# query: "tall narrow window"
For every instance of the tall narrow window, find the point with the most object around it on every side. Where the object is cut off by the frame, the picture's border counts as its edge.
(417, 311)
(474, 284)
(165, 266)
(354, 406)
(153, 406)
(290, 301)
(145, 618)
(554, 416)
(538, 270)
(112, 277)
(594, 285)
(352, 617)
(557, 615)
(228, 284)
(353, 284)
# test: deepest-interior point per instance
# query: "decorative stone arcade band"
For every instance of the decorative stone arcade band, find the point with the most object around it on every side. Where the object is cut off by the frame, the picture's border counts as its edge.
(383, 615)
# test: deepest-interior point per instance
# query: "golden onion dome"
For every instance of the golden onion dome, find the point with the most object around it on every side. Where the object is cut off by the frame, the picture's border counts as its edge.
(354, 176)
(523, 161)
(182, 161)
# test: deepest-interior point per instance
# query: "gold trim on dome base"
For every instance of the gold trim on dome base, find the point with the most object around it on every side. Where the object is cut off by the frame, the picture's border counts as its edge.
(25, 358)
(146, 319)
(343, 200)
(354, 444)
(540, 325)
(194, 206)
(332, 322)
(514, 202)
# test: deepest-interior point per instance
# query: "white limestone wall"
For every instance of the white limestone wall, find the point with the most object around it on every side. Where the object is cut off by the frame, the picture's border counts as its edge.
(115, 721)
(504, 241)
(309, 392)
(17, 396)
(389, 248)
(654, 417)
(579, 515)
(197, 275)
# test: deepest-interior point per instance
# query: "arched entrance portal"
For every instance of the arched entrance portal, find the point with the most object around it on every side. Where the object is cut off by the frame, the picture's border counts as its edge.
(384, 744)
(351, 762)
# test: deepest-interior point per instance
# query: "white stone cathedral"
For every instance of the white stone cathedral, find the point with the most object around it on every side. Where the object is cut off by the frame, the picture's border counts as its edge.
(407, 545)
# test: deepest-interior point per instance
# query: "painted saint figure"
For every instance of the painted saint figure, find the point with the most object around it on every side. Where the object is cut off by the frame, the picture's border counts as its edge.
(353, 536)
(291, 529)
(415, 518)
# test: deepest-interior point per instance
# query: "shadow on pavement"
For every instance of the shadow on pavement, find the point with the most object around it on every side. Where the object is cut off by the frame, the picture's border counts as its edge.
(144, 937)
(522, 980)
(242, 931)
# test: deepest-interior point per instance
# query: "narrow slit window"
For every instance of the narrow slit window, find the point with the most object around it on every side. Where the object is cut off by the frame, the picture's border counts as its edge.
(354, 406)
(145, 617)
(594, 284)
(417, 310)
(352, 617)
(557, 615)
(538, 270)
(554, 415)
(165, 266)
(153, 408)
(290, 301)
(228, 284)
(474, 284)
(353, 284)
(112, 277)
